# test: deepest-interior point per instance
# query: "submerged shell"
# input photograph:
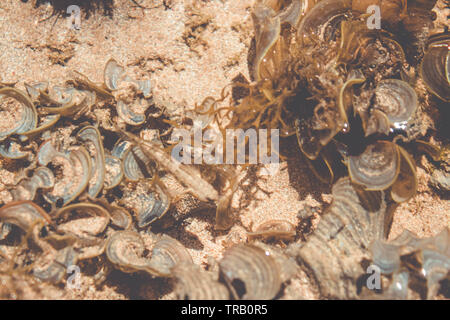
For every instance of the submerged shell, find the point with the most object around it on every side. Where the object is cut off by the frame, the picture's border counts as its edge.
(24, 214)
(46, 123)
(115, 78)
(12, 150)
(341, 241)
(77, 158)
(125, 249)
(61, 100)
(135, 164)
(119, 216)
(323, 12)
(55, 272)
(26, 190)
(405, 186)
(250, 272)
(28, 120)
(378, 122)
(92, 136)
(385, 256)
(195, 284)
(152, 206)
(433, 258)
(126, 114)
(435, 69)
(84, 226)
(377, 167)
(113, 74)
(267, 32)
(277, 229)
(397, 99)
(167, 254)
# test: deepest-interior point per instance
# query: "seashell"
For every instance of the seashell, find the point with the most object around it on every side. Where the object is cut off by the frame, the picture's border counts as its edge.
(250, 273)
(24, 214)
(398, 290)
(377, 168)
(92, 249)
(344, 103)
(120, 148)
(397, 99)
(77, 158)
(274, 229)
(26, 190)
(433, 151)
(435, 267)
(136, 164)
(80, 80)
(115, 78)
(333, 253)
(435, 69)
(370, 50)
(145, 87)
(405, 186)
(125, 249)
(119, 216)
(193, 283)
(126, 114)
(267, 32)
(323, 13)
(152, 206)
(113, 74)
(56, 271)
(12, 150)
(82, 225)
(28, 119)
(34, 91)
(385, 256)
(46, 123)
(62, 100)
(167, 254)
(433, 258)
(92, 136)
(378, 122)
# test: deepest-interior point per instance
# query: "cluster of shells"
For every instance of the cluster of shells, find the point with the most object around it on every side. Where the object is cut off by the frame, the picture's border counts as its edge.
(318, 72)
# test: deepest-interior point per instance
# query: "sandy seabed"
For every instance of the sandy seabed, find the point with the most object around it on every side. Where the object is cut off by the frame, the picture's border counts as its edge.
(190, 50)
